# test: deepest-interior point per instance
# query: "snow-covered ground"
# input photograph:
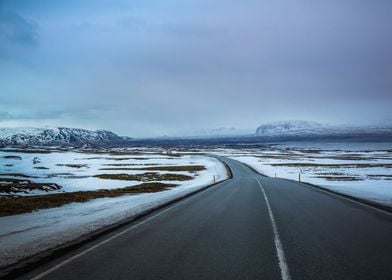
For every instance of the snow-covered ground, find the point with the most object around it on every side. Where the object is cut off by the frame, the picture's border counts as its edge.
(74, 171)
(27, 234)
(362, 170)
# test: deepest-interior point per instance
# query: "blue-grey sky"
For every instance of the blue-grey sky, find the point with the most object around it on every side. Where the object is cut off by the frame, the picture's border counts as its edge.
(149, 68)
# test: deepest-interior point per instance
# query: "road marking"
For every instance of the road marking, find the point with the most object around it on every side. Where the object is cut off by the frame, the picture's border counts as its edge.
(284, 269)
(54, 268)
(332, 193)
(341, 196)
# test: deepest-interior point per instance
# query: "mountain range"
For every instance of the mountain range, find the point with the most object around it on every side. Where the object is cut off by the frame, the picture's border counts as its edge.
(59, 136)
(308, 129)
(275, 131)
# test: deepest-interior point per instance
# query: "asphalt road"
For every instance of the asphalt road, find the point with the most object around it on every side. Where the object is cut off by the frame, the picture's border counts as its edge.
(249, 227)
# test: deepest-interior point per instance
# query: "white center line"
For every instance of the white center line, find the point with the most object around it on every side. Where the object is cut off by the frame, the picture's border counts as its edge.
(284, 269)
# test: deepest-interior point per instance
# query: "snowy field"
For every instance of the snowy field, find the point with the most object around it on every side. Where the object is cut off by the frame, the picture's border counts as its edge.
(26, 234)
(362, 170)
(76, 171)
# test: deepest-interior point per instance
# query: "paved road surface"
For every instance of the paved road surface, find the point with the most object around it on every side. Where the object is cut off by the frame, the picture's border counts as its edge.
(249, 227)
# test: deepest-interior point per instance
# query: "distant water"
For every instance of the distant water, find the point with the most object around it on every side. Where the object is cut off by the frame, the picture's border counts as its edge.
(351, 146)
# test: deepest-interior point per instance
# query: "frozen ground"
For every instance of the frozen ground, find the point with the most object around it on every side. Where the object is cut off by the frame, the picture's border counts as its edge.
(26, 234)
(74, 171)
(362, 170)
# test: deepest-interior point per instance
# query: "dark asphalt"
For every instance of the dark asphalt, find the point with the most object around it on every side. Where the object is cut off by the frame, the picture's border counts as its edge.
(226, 233)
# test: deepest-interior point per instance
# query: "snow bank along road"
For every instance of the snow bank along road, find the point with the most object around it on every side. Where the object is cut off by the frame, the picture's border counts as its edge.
(249, 227)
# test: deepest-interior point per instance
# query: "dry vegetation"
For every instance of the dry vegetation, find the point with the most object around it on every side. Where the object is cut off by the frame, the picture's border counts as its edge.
(340, 178)
(379, 177)
(129, 164)
(189, 168)
(11, 186)
(343, 165)
(128, 158)
(25, 204)
(145, 177)
(29, 151)
(16, 175)
(12, 157)
(74, 165)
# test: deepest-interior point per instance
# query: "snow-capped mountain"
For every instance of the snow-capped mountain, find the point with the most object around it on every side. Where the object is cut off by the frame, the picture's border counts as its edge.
(59, 136)
(288, 127)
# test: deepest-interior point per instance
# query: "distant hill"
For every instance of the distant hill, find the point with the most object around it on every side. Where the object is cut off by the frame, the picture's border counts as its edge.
(307, 130)
(288, 127)
(59, 136)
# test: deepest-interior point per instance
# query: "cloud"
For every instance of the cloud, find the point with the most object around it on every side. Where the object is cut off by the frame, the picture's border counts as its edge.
(16, 29)
(5, 116)
(163, 66)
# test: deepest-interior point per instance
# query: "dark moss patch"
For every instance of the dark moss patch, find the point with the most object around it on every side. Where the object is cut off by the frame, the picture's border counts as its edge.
(12, 157)
(36, 160)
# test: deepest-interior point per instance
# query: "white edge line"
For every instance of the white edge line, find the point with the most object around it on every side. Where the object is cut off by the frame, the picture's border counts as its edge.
(54, 268)
(343, 196)
(284, 269)
(329, 192)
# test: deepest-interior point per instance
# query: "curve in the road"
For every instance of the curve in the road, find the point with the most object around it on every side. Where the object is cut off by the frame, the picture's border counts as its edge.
(249, 227)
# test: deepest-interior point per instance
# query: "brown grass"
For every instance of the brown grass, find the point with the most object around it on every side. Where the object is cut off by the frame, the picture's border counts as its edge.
(11, 185)
(340, 178)
(12, 157)
(379, 177)
(127, 164)
(349, 165)
(74, 165)
(190, 168)
(28, 151)
(127, 158)
(145, 177)
(25, 204)
(16, 175)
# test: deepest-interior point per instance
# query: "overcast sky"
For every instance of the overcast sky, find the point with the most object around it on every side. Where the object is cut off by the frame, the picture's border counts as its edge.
(150, 68)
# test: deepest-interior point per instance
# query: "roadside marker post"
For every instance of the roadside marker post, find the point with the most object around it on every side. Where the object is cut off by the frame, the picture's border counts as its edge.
(299, 177)
(213, 179)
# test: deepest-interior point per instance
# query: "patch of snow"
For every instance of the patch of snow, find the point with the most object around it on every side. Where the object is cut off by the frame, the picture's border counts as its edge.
(73, 179)
(373, 182)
